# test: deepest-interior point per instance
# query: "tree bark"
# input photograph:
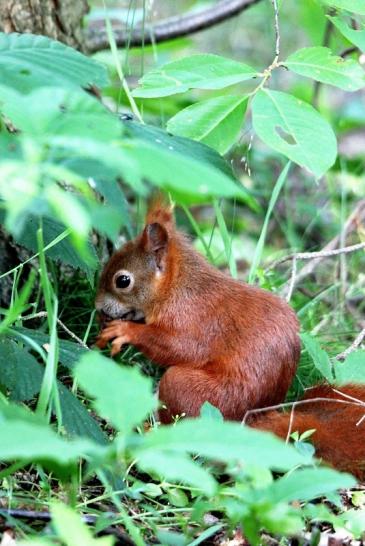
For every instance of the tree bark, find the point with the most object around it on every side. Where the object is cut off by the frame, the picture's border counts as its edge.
(57, 19)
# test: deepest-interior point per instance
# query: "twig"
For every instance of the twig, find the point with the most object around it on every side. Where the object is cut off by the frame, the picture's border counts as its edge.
(292, 278)
(320, 254)
(43, 314)
(291, 420)
(169, 29)
(312, 256)
(277, 30)
(89, 519)
(354, 345)
(355, 218)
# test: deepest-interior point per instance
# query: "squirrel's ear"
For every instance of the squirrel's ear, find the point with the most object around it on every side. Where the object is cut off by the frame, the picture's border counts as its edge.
(155, 240)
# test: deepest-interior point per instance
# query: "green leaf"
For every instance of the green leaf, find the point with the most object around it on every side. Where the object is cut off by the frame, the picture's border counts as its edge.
(185, 146)
(181, 175)
(216, 122)
(355, 6)
(61, 112)
(210, 412)
(355, 522)
(177, 497)
(19, 371)
(191, 153)
(308, 484)
(64, 251)
(224, 441)
(196, 71)
(320, 358)
(105, 180)
(176, 467)
(356, 37)
(294, 128)
(28, 61)
(69, 352)
(71, 530)
(111, 154)
(76, 419)
(31, 442)
(352, 370)
(121, 395)
(320, 64)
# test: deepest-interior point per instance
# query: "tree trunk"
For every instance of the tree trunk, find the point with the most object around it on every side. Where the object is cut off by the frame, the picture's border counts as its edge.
(57, 19)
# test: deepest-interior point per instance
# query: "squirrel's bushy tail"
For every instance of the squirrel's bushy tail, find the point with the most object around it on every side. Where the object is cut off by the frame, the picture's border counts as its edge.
(339, 423)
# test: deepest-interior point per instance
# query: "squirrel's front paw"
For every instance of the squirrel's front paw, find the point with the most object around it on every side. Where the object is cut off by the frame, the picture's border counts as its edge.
(117, 331)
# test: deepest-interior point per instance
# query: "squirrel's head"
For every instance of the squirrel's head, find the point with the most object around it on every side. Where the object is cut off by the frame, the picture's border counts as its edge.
(133, 275)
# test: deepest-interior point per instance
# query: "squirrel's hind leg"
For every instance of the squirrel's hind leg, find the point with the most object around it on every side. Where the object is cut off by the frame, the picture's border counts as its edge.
(183, 391)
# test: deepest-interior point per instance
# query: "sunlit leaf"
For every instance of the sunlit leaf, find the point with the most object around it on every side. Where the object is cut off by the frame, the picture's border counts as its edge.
(309, 483)
(224, 441)
(197, 71)
(295, 129)
(122, 395)
(216, 122)
(320, 64)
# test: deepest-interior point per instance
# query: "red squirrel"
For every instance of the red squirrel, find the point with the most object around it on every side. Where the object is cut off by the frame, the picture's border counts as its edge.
(222, 341)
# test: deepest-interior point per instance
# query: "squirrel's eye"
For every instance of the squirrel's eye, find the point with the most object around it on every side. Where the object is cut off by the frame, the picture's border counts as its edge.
(122, 281)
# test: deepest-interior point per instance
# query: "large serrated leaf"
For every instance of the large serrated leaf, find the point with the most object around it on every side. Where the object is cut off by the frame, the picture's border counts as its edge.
(64, 251)
(184, 146)
(19, 371)
(295, 129)
(216, 122)
(69, 352)
(197, 71)
(76, 419)
(28, 61)
(190, 170)
(320, 64)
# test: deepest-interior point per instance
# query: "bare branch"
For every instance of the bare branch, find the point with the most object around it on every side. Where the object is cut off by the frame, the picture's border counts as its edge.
(354, 345)
(277, 29)
(315, 258)
(170, 29)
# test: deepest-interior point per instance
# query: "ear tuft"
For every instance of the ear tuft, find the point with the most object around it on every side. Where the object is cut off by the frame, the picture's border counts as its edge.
(160, 211)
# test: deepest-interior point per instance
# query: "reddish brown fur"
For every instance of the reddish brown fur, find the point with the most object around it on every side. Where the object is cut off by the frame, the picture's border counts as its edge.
(223, 341)
(338, 438)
